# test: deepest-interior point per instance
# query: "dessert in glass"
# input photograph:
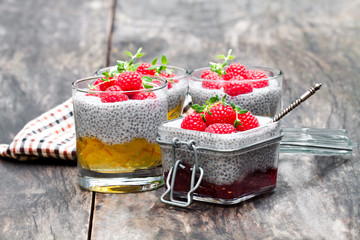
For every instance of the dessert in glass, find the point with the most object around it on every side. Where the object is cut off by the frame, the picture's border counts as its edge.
(237, 154)
(257, 89)
(177, 79)
(116, 123)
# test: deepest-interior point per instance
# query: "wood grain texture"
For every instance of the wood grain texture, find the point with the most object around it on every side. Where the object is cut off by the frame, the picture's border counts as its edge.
(45, 46)
(316, 197)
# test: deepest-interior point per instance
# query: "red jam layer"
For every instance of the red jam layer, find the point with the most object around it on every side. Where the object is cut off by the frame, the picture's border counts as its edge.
(250, 184)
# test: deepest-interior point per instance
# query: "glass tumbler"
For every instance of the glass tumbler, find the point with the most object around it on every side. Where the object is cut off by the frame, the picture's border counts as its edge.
(177, 88)
(263, 98)
(116, 145)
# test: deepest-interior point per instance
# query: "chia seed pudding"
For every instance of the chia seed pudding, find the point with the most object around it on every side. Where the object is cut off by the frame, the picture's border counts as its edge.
(119, 122)
(229, 177)
(265, 101)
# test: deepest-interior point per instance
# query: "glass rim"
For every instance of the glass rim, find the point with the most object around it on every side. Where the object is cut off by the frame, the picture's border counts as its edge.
(74, 87)
(185, 73)
(278, 74)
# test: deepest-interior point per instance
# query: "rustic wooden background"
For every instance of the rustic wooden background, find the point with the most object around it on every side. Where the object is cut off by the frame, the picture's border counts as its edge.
(46, 45)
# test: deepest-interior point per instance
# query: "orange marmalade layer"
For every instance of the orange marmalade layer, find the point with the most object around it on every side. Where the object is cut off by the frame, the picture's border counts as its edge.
(174, 113)
(94, 155)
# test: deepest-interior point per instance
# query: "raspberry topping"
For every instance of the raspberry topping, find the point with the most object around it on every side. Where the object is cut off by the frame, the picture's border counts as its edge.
(114, 88)
(129, 81)
(211, 84)
(143, 69)
(193, 121)
(101, 84)
(255, 75)
(235, 69)
(221, 128)
(234, 88)
(167, 75)
(247, 121)
(220, 117)
(113, 97)
(220, 114)
(143, 96)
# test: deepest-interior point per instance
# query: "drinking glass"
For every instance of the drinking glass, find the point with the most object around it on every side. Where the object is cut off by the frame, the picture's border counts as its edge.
(116, 145)
(263, 100)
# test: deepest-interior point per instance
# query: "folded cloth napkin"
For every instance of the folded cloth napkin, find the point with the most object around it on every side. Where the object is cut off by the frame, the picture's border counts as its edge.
(50, 135)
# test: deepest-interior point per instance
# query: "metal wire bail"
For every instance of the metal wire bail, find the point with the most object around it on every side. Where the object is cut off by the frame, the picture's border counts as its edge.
(176, 143)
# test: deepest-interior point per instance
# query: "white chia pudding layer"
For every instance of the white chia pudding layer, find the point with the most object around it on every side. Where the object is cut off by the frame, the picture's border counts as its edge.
(261, 101)
(119, 122)
(177, 93)
(224, 168)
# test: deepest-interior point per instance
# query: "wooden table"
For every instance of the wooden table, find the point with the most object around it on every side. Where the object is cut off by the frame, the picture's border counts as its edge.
(46, 45)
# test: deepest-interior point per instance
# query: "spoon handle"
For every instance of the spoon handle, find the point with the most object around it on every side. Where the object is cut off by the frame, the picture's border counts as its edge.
(298, 101)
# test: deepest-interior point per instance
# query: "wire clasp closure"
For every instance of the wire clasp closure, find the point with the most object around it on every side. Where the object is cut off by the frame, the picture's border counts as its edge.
(176, 143)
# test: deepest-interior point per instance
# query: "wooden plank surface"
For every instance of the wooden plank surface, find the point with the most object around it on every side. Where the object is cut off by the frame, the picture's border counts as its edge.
(45, 46)
(316, 197)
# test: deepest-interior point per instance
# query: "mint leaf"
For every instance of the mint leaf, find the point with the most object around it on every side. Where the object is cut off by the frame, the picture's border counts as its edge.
(164, 60)
(147, 79)
(129, 54)
(154, 61)
(236, 123)
(147, 86)
(213, 100)
(203, 118)
(243, 111)
(198, 108)
(151, 68)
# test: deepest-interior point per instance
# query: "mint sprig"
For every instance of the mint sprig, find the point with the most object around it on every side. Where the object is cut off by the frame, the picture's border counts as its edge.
(158, 69)
(124, 66)
(219, 68)
(147, 82)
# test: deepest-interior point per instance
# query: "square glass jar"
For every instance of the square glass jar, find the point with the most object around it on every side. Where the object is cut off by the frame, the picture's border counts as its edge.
(234, 167)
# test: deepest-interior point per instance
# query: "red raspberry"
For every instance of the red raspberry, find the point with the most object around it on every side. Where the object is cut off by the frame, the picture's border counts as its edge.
(228, 76)
(114, 88)
(129, 81)
(206, 72)
(170, 85)
(234, 88)
(170, 79)
(238, 77)
(221, 128)
(101, 85)
(210, 75)
(235, 69)
(254, 75)
(220, 114)
(211, 84)
(193, 121)
(143, 69)
(143, 96)
(248, 121)
(167, 75)
(113, 97)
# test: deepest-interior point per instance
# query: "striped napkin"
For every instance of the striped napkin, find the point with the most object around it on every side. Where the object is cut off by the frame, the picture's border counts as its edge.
(50, 135)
